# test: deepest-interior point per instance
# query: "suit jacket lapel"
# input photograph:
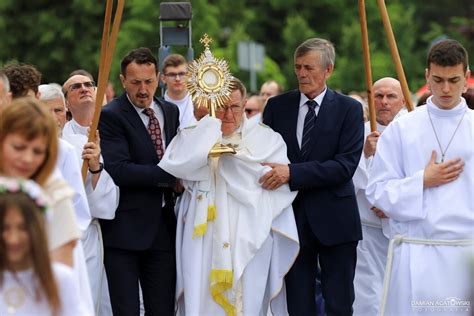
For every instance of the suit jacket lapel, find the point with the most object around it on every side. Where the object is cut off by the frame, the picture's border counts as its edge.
(293, 110)
(166, 116)
(136, 122)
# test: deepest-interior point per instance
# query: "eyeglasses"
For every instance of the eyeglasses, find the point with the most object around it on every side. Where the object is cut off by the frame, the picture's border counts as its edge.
(233, 108)
(87, 85)
(250, 111)
(174, 75)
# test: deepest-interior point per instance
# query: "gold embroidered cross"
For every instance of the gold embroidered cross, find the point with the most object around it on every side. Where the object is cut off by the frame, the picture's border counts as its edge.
(226, 245)
(199, 197)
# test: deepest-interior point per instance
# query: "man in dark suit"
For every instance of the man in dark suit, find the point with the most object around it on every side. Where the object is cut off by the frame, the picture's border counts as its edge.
(139, 241)
(324, 132)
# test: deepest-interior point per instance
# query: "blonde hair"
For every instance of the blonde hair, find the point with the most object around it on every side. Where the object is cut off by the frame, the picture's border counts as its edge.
(29, 118)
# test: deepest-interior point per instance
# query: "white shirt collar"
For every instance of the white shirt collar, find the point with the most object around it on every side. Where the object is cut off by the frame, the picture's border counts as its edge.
(168, 98)
(78, 128)
(459, 109)
(139, 110)
(319, 98)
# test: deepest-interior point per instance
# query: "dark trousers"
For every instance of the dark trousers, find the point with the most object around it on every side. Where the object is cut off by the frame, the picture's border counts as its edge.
(155, 268)
(337, 275)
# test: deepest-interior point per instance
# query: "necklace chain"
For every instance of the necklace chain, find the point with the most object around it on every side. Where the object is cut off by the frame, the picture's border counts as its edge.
(14, 297)
(443, 152)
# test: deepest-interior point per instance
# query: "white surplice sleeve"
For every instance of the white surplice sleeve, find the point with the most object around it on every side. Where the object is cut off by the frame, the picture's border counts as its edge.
(104, 199)
(69, 167)
(361, 175)
(72, 303)
(391, 187)
(186, 156)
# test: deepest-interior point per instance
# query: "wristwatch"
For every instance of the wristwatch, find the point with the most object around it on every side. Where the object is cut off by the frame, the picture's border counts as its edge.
(101, 167)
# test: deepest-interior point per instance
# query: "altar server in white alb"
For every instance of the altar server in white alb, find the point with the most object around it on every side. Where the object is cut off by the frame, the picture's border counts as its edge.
(235, 240)
(423, 179)
(102, 193)
(174, 75)
(372, 250)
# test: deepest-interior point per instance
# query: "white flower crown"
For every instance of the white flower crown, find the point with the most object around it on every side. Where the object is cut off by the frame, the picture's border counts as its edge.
(29, 187)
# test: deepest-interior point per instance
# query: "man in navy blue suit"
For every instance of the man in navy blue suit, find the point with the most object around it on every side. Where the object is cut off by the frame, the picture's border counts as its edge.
(324, 133)
(139, 242)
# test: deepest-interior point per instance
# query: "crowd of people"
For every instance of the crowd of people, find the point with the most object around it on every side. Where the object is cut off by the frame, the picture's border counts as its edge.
(313, 214)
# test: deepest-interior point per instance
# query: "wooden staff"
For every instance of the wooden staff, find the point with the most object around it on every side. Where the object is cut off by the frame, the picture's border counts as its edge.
(395, 54)
(106, 53)
(368, 67)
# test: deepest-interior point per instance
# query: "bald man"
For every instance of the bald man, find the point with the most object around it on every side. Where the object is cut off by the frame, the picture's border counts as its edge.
(372, 250)
(270, 89)
(254, 106)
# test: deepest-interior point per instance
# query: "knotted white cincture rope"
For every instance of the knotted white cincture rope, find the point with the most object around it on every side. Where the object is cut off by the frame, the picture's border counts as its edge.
(397, 240)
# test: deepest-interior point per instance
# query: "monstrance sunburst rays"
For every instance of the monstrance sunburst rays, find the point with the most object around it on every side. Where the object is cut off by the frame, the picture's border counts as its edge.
(210, 84)
(209, 79)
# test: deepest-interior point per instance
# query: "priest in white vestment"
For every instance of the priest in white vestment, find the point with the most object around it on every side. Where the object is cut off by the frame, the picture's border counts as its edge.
(423, 179)
(235, 240)
(372, 249)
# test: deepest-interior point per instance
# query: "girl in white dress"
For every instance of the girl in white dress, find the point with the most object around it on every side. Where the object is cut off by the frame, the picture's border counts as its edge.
(29, 283)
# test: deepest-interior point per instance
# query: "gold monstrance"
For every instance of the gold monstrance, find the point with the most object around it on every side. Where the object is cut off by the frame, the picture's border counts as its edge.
(209, 83)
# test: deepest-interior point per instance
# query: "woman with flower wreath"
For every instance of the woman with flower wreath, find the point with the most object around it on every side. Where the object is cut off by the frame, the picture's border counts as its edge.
(28, 150)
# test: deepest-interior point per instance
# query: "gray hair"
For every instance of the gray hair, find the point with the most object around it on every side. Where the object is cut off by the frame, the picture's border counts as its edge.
(238, 85)
(324, 47)
(51, 91)
(6, 82)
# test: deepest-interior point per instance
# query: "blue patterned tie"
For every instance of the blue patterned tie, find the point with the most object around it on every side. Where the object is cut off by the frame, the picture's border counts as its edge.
(309, 121)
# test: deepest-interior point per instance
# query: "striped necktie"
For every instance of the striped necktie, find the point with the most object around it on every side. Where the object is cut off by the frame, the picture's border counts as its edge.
(309, 121)
(155, 131)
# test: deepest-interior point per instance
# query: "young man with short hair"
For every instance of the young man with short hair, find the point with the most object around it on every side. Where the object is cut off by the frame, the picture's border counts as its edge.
(175, 76)
(422, 178)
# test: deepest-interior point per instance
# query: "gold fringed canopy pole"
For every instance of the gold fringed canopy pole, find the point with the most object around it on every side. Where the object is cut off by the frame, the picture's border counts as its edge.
(106, 53)
(395, 54)
(368, 67)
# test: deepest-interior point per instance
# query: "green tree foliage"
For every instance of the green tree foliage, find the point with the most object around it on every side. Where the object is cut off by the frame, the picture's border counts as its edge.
(51, 35)
(295, 31)
(349, 75)
(60, 36)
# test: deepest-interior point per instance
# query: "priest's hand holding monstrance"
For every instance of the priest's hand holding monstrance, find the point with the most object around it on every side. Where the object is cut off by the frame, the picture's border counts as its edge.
(209, 83)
